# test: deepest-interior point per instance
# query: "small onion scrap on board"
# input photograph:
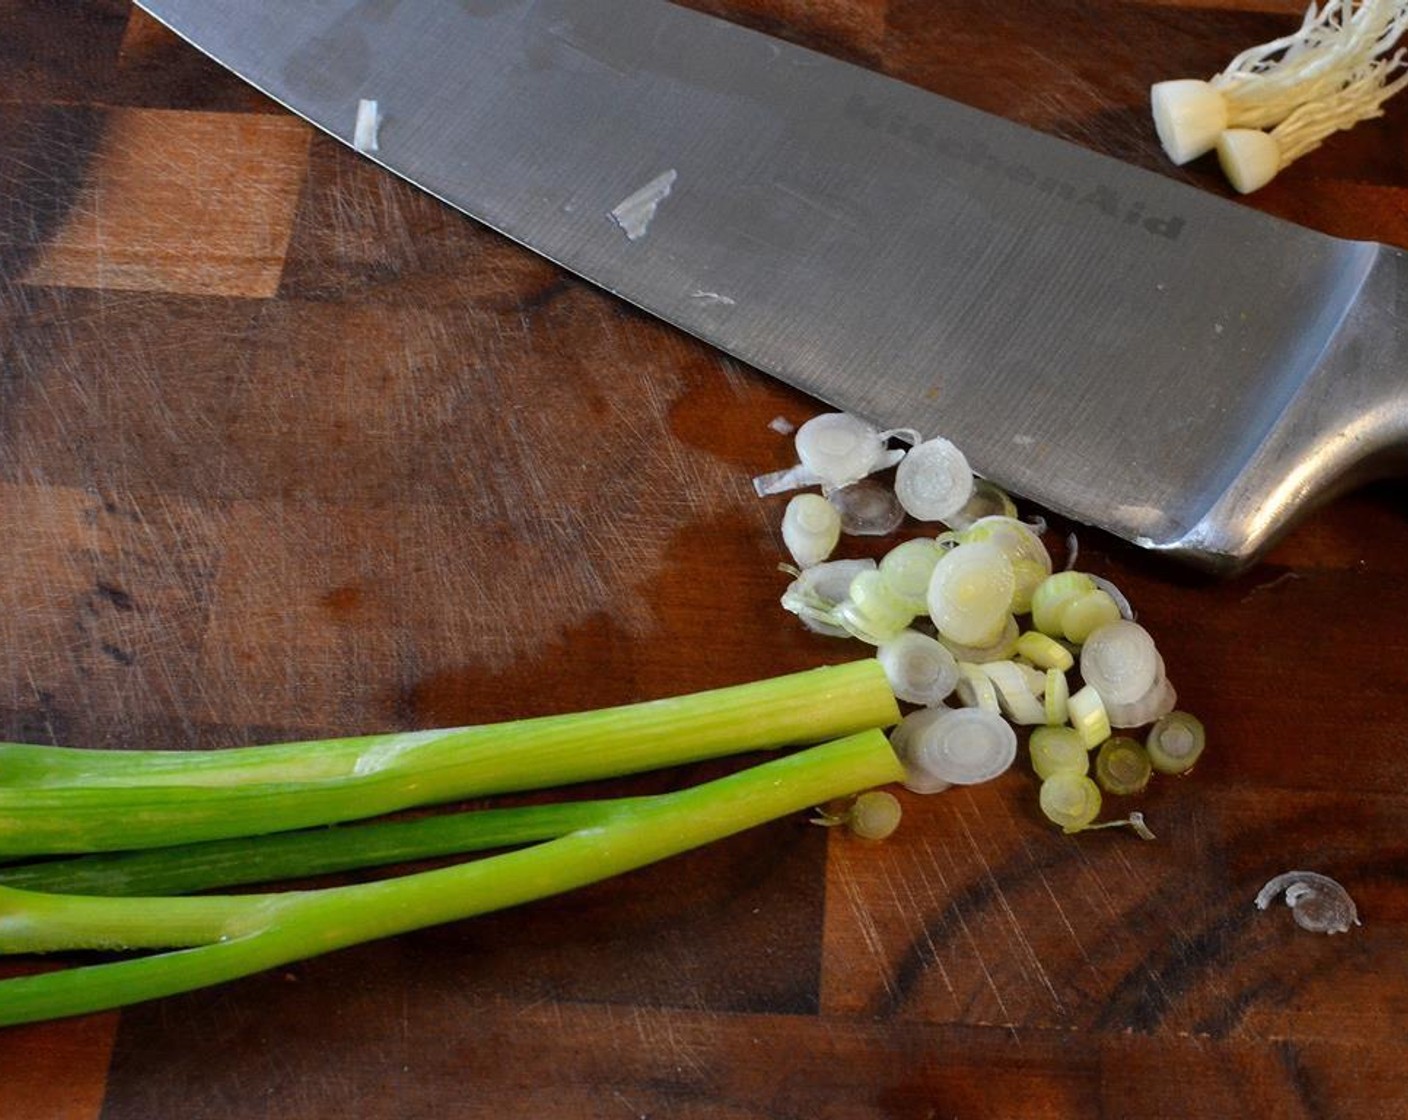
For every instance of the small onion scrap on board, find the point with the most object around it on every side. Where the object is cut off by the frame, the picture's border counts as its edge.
(976, 630)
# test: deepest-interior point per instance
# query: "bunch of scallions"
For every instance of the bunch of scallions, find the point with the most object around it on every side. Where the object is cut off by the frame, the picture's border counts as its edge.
(106, 849)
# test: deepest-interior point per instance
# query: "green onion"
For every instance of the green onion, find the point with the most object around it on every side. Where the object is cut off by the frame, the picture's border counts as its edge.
(874, 815)
(1175, 742)
(1058, 750)
(1122, 766)
(1056, 698)
(222, 937)
(1070, 800)
(1053, 596)
(186, 868)
(58, 800)
(970, 593)
(1088, 716)
(1044, 651)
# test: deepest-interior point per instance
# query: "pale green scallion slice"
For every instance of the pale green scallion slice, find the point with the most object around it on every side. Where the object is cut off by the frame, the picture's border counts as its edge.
(1175, 742)
(970, 593)
(1056, 698)
(1070, 800)
(1087, 613)
(1044, 651)
(1058, 750)
(909, 567)
(1053, 596)
(1088, 716)
(872, 612)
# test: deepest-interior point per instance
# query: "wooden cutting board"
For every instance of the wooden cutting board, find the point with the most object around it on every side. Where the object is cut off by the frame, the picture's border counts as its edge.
(288, 449)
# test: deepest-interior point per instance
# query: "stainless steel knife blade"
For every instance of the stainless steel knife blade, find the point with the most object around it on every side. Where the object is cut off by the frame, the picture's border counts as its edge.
(1123, 349)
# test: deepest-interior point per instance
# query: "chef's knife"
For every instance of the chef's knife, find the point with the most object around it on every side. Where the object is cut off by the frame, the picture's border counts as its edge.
(1123, 349)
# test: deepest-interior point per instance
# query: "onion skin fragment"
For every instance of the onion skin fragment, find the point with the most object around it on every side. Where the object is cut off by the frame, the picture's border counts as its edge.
(1318, 903)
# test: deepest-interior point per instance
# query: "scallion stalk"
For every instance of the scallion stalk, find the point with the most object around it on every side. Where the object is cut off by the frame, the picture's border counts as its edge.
(62, 800)
(234, 936)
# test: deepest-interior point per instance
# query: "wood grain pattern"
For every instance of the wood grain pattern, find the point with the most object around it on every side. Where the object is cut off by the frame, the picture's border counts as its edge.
(288, 448)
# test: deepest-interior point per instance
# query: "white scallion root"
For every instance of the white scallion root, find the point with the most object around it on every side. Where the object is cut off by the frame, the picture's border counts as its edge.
(1251, 159)
(1335, 45)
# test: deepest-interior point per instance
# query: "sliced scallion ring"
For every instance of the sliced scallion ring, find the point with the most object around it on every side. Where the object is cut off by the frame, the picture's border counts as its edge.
(1023, 546)
(905, 738)
(1044, 651)
(1016, 696)
(1175, 742)
(1087, 613)
(1053, 596)
(839, 448)
(976, 690)
(967, 746)
(1058, 750)
(816, 592)
(1000, 650)
(867, 509)
(970, 593)
(1088, 716)
(1154, 704)
(919, 668)
(1122, 766)
(871, 611)
(933, 481)
(1070, 800)
(908, 568)
(1120, 661)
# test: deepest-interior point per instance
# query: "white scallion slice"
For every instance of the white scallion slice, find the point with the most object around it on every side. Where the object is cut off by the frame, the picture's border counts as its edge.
(873, 815)
(839, 448)
(970, 593)
(967, 746)
(909, 567)
(1087, 613)
(1121, 601)
(1044, 651)
(1056, 698)
(1070, 800)
(1000, 650)
(1087, 714)
(1058, 750)
(1154, 704)
(1175, 742)
(1120, 661)
(1023, 546)
(783, 481)
(1016, 695)
(904, 739)
(811, 528)
(919, 668)
(933, 481)
(872, 612)
(987, 500)
(1122, 766)
(867, 509)
(1053, 596)
(976, 690)
(815, 593)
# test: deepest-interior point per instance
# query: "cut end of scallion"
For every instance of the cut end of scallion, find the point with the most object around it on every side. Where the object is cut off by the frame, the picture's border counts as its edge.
(1189, 115)
(1249, 158)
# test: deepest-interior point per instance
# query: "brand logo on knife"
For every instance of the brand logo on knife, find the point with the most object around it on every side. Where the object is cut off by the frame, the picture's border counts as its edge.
(1103, 199)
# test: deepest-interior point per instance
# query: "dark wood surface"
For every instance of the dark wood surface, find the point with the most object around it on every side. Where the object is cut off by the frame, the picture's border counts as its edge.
(288, 449)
